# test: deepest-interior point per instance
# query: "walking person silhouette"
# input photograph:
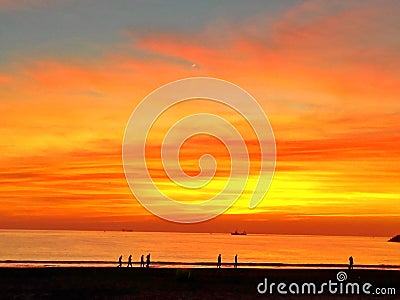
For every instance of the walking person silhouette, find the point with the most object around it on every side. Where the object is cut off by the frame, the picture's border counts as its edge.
(142, 261)
(351, 262)
(130, 261)
(236, 261)
(120, 262)
(219, 261)
(148, 261)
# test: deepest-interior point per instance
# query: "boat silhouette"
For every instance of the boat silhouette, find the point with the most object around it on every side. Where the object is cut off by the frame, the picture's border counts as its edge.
(239, 233)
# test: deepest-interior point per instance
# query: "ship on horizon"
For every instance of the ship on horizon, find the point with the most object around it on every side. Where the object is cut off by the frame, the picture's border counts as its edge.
(239, 233)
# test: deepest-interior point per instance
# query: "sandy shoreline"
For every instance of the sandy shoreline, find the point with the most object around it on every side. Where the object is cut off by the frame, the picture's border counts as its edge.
(180, 283)
(175, 264)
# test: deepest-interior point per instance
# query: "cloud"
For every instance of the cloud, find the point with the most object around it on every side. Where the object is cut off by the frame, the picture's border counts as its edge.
(326, 73)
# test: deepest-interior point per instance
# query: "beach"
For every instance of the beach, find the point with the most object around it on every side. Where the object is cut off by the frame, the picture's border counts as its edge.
(186, 283)
(31, 267)
(267, 250)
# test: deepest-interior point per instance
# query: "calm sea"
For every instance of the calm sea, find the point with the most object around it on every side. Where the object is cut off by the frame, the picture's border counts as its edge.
(52, 248)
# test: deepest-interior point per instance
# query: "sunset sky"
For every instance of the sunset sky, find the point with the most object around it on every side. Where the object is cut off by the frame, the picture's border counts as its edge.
(326, 73)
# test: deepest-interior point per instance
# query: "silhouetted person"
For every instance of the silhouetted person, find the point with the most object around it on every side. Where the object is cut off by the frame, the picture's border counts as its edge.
(351, 262)
(142, 261)
(120, 261)
(129, 261)
(236, 263)
(148, 260)
(219, 261)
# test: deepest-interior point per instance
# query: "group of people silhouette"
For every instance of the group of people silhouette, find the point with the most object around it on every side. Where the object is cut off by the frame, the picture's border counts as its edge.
(235, 265)
(142, 263)
(219, 261)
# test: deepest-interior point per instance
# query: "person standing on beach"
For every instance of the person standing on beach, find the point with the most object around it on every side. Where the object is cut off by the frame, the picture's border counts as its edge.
(120, 262)
(219, 261)
(130, 261)
(351, 262)
(148, 260)
(142, 261)
(236, 261)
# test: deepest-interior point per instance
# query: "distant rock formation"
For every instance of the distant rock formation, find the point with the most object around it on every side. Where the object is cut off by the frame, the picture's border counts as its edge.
(395, 239)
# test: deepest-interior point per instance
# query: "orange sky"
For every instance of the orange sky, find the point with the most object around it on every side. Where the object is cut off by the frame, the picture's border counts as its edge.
(327, 76)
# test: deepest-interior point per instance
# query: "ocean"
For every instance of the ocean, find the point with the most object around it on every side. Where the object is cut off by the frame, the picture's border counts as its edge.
(32, 248)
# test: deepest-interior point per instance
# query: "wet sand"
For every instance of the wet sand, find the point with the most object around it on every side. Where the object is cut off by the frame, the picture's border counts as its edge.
(179, 283)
